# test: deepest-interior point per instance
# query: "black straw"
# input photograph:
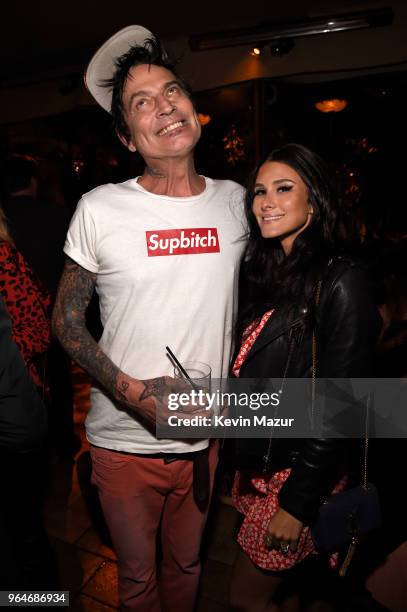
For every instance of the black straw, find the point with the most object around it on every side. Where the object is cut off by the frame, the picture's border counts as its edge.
(180, 368)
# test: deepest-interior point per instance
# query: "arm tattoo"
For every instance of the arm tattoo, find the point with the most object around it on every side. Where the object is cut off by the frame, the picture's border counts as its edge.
(122, 387)
(154, 387)
(68, 321)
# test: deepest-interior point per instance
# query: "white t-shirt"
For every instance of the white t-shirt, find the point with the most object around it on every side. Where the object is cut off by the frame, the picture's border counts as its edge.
(167, 272)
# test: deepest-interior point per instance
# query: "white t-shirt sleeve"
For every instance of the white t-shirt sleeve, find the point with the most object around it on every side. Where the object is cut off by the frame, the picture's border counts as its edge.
(237, 206)
(80, 244)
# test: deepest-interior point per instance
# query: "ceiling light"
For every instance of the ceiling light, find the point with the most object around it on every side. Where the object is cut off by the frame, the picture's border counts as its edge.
(204, 119)
(255, 51)
(281, 46)
(292, 29)
(331, 106)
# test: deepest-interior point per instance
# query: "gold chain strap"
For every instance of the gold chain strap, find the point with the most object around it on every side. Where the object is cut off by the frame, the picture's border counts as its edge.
(364, 477)
(314, 356)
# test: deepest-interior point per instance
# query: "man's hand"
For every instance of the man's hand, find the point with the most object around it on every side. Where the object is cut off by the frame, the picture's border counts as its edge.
(283, 531)
(149, 398)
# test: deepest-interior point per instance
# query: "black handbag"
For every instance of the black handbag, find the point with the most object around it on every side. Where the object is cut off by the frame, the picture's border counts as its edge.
(344, 517)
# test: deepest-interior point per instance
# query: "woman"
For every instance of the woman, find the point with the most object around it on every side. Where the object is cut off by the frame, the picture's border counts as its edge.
(295, 242)
(28, 560)
(28, 305)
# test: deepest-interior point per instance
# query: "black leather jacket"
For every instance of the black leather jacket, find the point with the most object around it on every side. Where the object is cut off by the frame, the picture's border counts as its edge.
(347, 327)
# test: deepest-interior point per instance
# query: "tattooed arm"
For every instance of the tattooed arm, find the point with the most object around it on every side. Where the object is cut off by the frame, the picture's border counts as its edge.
(68, 322)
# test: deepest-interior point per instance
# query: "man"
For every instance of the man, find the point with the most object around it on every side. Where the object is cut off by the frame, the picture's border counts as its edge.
(163, 253)
(38, 228)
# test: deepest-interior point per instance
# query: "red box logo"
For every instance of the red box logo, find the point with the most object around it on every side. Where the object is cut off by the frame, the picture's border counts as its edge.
(161, 243)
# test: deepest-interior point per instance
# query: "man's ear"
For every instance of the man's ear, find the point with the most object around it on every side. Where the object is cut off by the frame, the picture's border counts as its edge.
(127, 143)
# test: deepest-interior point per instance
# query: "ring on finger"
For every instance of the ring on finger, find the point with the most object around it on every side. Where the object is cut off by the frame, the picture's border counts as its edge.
(268, 540)
(284, 548)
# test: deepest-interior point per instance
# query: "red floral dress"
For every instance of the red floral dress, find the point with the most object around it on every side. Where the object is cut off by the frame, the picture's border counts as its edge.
(28, 306)
(256, 497)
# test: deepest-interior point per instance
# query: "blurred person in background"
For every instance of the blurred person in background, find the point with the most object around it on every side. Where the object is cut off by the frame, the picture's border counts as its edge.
(28, 304)
(38, 229)
(27, 561)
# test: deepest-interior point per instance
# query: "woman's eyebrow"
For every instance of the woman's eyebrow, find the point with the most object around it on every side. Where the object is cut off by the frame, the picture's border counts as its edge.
(283, 180)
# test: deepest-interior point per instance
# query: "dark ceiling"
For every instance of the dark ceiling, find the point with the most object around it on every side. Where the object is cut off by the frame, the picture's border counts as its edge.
(43, 38)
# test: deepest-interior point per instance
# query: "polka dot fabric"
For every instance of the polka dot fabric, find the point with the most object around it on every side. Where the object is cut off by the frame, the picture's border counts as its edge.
(249, 337)
(257, 499)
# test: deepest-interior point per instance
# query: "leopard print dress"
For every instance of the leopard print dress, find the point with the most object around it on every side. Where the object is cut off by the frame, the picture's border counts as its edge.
(28, 306)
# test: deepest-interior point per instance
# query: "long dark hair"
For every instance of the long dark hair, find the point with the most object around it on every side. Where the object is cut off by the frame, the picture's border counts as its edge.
(271, 279)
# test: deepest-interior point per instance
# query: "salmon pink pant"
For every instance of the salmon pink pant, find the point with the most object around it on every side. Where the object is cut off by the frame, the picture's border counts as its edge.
(139, 497)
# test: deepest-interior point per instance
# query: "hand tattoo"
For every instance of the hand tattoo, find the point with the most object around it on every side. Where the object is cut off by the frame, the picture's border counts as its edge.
(154, 387)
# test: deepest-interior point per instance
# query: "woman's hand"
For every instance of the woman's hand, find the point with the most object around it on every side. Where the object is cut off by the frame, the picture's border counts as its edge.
(283, 531)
